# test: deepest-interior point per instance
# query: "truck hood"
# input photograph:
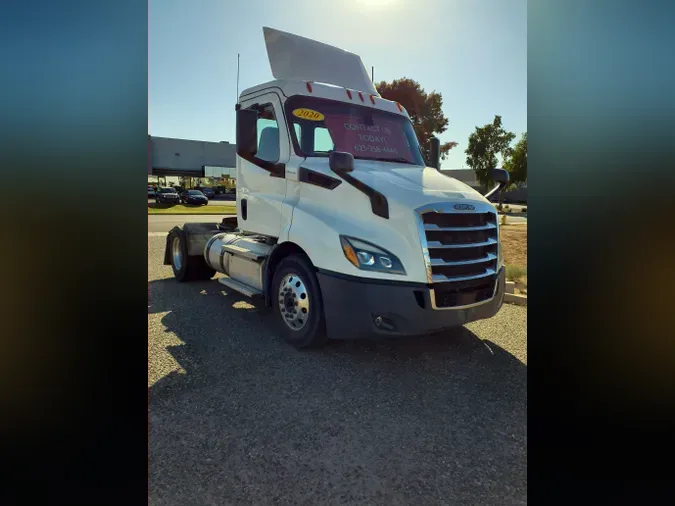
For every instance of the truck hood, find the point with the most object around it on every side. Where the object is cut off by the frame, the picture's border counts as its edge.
(409, 185)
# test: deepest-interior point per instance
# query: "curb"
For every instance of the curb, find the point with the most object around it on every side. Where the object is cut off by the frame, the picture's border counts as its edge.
(511, 297)
(522, 215)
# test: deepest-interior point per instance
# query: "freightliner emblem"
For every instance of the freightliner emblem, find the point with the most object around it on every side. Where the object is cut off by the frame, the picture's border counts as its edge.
(464, 207)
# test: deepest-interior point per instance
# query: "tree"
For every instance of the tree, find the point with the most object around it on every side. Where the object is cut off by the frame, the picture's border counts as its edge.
(484, 145)
(423, 108)
(516, 162)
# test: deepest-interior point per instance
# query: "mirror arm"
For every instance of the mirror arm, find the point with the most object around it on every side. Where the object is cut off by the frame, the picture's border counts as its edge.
(500, 186)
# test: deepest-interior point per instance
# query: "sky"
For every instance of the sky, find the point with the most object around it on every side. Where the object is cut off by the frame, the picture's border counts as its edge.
(472, 52)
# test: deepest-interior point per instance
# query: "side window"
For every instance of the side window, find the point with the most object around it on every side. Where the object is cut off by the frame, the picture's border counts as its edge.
(323, 143)
(268, 134)
(313, 139)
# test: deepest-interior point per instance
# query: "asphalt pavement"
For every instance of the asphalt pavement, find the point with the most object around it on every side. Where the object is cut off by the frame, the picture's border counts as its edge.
(238, 417)
(160, 223)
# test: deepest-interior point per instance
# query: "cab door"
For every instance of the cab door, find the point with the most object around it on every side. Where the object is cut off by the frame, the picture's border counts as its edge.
(261, 181)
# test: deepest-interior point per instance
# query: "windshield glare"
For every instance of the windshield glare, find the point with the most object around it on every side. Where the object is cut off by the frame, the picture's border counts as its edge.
(320, 126)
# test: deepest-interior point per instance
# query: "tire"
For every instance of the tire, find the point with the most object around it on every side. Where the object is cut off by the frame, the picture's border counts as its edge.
(186, 268)
(307, 332)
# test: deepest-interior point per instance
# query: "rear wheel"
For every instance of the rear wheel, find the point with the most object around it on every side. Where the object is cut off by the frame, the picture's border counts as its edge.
(297, 303)
(185, 267)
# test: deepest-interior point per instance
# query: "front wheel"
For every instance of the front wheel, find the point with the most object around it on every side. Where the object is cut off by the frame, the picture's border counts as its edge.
(297, 304)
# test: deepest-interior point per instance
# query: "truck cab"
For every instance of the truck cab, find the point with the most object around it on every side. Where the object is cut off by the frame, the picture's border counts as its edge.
(341, 227)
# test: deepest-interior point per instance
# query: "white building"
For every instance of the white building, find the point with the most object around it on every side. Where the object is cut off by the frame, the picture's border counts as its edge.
(170, 158)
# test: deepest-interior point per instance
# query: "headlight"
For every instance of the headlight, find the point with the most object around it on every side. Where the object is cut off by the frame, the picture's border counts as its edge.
(368, 257)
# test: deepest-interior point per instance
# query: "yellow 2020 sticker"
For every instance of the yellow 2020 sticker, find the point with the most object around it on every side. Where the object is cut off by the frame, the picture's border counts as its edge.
(308, 114)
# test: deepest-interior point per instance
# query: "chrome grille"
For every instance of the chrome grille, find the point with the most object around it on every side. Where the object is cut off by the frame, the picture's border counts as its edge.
(462, 252)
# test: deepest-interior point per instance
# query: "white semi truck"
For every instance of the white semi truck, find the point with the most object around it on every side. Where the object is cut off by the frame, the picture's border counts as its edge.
(342, 229)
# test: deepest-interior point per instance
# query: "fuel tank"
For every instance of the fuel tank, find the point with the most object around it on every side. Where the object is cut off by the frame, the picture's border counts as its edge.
(241, 257)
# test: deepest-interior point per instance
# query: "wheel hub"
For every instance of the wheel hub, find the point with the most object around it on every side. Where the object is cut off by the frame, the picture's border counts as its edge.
(293, 300)
(177, 253)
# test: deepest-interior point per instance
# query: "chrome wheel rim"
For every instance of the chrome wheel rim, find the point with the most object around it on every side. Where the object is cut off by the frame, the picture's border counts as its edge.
(293, 300)
(177, 253)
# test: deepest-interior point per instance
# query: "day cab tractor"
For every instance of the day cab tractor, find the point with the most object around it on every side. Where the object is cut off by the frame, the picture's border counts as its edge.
(342, 229)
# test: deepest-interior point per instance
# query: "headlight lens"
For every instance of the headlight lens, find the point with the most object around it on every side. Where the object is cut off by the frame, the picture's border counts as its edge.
(368, 257)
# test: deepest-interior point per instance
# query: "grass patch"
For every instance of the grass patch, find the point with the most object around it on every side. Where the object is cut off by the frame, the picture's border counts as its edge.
(514, 243)
(188, 209)
(516, 273)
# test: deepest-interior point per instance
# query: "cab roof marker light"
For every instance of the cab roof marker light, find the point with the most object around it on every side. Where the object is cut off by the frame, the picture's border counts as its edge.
(372, 99)
(349, 94)
(399, 107)
(361, 96)
(309, 87)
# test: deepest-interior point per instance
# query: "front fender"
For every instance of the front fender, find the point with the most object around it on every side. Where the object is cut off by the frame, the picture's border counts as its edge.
(317, 229)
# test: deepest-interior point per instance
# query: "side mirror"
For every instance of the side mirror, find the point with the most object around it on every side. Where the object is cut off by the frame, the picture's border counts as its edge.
(339, 161)
(501, 176)
(247, 132)
(435, 153)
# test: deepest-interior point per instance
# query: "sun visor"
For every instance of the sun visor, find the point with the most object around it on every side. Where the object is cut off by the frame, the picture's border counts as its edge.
(297, 58)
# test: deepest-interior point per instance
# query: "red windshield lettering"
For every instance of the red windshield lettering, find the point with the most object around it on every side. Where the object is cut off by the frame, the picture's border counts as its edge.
(381, 138)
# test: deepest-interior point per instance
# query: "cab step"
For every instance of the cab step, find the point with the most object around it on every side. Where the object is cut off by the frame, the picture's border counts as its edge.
(240, 287)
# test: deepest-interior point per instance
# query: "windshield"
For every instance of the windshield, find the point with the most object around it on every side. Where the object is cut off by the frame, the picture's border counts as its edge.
(320, 126)
(167, 190)
(195, 192)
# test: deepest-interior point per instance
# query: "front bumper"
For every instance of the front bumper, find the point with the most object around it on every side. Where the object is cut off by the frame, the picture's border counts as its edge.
(352, 307)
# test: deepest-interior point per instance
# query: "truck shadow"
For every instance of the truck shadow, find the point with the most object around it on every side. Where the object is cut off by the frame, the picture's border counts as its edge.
(225, 389)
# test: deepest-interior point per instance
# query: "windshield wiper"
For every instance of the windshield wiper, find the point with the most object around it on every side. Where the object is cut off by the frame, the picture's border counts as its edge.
(383, 159)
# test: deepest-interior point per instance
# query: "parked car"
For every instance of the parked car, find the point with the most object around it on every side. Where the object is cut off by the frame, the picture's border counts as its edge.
(151, 192)
(167, 196)
(193, 197)
(208, 192)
